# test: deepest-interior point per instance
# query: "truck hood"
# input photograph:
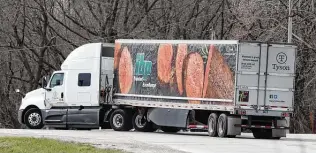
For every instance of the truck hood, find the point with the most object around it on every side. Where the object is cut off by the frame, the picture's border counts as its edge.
(34, 93)
(35, 97)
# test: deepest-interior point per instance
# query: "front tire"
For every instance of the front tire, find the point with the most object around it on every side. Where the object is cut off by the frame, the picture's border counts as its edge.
(33, 119)
(121, 120)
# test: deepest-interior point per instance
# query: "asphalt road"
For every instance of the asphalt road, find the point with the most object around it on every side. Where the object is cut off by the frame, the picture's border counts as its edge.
(159, 142)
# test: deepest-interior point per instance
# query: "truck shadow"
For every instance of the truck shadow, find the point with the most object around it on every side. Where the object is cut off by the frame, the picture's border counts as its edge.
(205, 134)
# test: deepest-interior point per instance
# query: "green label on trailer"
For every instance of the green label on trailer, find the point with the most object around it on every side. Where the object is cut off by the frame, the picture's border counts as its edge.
(142, 67)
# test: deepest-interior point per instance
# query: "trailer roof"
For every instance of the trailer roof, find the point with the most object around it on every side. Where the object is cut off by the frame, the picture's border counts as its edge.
(158, 41)
(153, 41)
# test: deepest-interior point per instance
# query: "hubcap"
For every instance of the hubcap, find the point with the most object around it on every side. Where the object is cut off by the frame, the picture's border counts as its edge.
(140, 122)
(34, 119)
(118, 120)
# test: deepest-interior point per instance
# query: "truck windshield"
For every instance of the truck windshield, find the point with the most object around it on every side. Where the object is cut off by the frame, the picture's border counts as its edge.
(57, 80)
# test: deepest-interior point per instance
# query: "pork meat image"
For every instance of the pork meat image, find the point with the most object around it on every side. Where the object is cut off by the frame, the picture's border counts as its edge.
(164, 61)
(181, 54)
(125, 70)
(218, 81)
(194, 76)
(117, 55)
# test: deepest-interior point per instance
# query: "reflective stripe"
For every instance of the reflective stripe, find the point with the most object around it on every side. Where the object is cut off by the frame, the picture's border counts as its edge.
(197, 127)
(261, 126)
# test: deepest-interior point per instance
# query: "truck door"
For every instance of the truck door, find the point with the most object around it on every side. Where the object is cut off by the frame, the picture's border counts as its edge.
(83, 109)
(55, 90)
(54, 100)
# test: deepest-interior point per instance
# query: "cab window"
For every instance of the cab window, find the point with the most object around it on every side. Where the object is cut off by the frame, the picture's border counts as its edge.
(84, 79)
(57, 80)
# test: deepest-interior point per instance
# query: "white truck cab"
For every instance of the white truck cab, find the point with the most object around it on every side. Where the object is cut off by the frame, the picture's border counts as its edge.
(68, 91)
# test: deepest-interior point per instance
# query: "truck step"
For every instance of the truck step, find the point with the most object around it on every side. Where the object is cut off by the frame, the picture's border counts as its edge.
(53, 121)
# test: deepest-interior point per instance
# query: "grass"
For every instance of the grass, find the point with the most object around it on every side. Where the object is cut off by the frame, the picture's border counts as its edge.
(41, 145)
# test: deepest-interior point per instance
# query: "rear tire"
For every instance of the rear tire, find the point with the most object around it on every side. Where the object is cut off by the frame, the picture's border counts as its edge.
(33, 119)
(142, 124)
(121, 120)
(222, 125)
(212, 125)
(169, 129)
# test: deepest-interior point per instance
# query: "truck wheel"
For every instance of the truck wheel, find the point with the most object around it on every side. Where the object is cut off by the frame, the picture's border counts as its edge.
(141, 123)
(212, 125)
(33, 119)
(222, 125)
(169, 129)
(121, 120)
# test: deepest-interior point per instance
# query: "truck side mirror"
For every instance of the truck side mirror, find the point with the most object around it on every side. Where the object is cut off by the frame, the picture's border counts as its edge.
(44, 82)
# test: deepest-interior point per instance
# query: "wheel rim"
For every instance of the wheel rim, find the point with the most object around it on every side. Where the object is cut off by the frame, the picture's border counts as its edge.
(220, 126)
(140, 122)
(118, 120)
(34, 119)
(211, 125)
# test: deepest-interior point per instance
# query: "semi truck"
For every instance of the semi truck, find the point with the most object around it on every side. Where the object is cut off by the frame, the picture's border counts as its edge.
(218, 86)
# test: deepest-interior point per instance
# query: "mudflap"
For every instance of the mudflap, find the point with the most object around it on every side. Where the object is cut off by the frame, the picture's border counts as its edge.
(280, 132)
(168, 117)
(233, 130)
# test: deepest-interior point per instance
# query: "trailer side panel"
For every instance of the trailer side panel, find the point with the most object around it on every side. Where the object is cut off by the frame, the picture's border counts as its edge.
(187, 73)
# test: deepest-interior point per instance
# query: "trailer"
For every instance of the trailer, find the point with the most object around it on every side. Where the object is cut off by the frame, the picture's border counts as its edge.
(217, 86)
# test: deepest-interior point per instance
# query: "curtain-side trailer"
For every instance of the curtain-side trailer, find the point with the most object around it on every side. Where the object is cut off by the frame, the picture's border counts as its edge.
(219, 86)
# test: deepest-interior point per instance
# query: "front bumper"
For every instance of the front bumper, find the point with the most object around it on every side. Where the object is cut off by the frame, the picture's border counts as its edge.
(20, 116)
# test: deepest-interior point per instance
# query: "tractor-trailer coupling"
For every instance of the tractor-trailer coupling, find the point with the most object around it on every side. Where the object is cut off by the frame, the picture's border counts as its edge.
(220, 86)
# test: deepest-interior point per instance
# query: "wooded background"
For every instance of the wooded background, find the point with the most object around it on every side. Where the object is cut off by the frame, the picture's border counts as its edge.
(37, 35)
